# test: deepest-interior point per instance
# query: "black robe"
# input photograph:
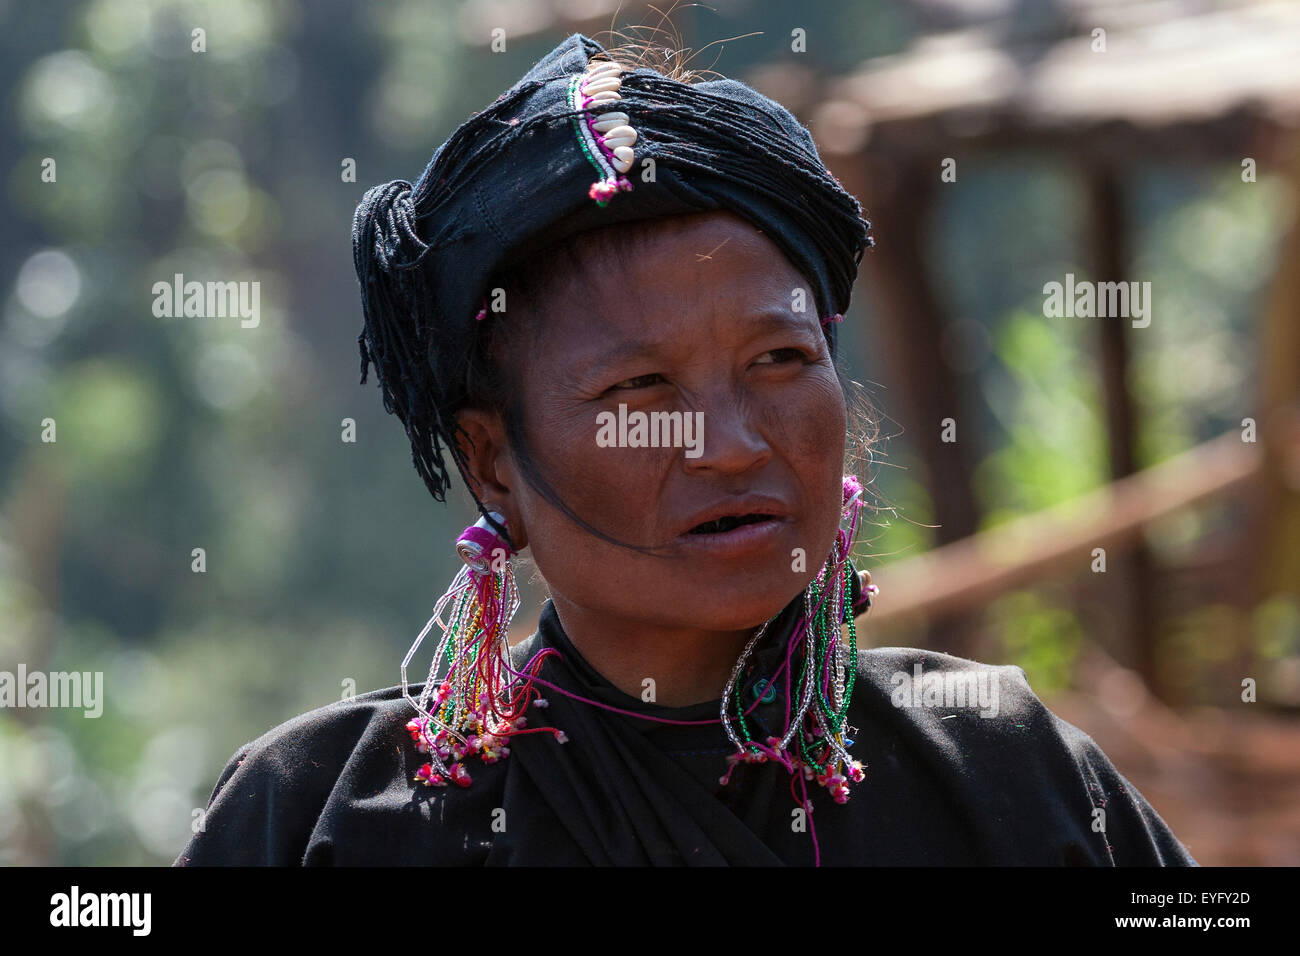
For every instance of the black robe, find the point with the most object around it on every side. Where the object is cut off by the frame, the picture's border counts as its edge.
(943, 786)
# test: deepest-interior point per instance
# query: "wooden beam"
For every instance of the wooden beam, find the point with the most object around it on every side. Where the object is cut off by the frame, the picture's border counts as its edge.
(968, 574)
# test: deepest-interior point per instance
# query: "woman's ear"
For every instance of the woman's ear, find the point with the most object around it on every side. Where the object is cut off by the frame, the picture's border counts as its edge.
(490, 467)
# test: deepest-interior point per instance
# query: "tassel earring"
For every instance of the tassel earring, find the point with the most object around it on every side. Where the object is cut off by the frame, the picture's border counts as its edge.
(478, 704)
(816, 739)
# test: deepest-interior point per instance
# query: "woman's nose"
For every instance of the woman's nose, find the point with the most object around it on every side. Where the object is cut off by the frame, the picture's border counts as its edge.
(729, 439)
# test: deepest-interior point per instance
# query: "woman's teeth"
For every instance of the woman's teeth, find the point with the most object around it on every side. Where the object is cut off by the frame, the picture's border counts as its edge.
(727, 523)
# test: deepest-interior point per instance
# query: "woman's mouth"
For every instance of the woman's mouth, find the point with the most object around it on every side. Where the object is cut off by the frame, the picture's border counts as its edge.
(728, 522)
(734, 535)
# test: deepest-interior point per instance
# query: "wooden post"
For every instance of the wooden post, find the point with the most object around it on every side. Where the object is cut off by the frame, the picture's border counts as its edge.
(899, 198)
(1271, 545)
(1133, 577)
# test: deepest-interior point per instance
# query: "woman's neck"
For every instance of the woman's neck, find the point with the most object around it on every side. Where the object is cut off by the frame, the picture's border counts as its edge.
(687, 665)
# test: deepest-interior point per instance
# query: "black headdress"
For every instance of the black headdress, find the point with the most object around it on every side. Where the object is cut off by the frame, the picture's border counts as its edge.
(517, 178)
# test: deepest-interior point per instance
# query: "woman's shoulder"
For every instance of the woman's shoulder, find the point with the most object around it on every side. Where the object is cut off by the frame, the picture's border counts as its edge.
(982, 728)
(958, 700)
(333, 730)
(917, 677)
(273, 788)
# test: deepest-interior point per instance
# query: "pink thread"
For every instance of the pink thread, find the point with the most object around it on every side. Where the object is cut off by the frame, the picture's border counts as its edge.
(852, 488)
(812, 827)
(619, 710)
(606, 189)
(488, 541)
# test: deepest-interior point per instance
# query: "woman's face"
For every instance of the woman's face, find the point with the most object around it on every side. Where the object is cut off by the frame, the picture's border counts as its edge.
(698, 321)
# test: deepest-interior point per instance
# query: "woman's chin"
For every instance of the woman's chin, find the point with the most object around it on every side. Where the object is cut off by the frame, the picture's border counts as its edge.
(737, 606)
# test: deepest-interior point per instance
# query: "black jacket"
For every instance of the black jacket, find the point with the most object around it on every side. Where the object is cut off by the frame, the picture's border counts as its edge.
(943, 785)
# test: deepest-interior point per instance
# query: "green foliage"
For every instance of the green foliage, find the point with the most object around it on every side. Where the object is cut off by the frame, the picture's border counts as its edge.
(1039, 635)
(1048, 410)
(1209, 259)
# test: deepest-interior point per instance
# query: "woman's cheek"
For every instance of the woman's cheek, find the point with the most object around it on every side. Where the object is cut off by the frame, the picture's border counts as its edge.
(809, 426)
(608, 487)
(806, 423)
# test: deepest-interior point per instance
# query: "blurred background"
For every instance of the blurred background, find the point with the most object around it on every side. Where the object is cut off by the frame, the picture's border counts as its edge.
(1113, 506)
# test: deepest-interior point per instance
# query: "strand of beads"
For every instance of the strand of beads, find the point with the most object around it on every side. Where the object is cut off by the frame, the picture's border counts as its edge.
(825, 746)
(606, 138)
(819, 727)
(479, 705)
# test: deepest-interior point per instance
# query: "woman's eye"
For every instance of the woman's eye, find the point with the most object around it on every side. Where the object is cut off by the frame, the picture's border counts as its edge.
(641, 381)
(776, 356)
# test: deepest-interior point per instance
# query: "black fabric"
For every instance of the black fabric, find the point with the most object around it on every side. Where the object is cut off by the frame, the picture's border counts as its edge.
(943, 786)
(513, 180)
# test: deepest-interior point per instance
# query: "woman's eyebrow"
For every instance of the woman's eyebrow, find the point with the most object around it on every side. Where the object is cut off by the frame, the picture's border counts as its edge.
(779, 320)
(605, 361)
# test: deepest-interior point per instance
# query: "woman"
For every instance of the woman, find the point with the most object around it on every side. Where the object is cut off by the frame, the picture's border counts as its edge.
(612, 298)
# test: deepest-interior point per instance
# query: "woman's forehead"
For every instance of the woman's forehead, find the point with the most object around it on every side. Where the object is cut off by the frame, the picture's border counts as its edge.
(681, 257)
(677, 281)
(651, 233)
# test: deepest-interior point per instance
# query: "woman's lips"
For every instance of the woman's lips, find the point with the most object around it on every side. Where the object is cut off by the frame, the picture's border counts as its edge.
(741, 540)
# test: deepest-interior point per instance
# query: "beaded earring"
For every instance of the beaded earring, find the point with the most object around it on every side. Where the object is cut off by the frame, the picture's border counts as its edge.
(816, 738)
(479, 704)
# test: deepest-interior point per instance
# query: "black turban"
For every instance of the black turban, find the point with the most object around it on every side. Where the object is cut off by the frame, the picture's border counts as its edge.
(525, 173)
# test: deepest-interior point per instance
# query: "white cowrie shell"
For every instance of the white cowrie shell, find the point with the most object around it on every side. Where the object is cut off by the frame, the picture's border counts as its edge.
(603, 68)
(623, 158)
(608, 121)
(602, 84)
(605, 96)
(620, 136)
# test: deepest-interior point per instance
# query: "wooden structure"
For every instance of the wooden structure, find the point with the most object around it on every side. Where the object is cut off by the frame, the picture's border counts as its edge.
(1100, 86)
